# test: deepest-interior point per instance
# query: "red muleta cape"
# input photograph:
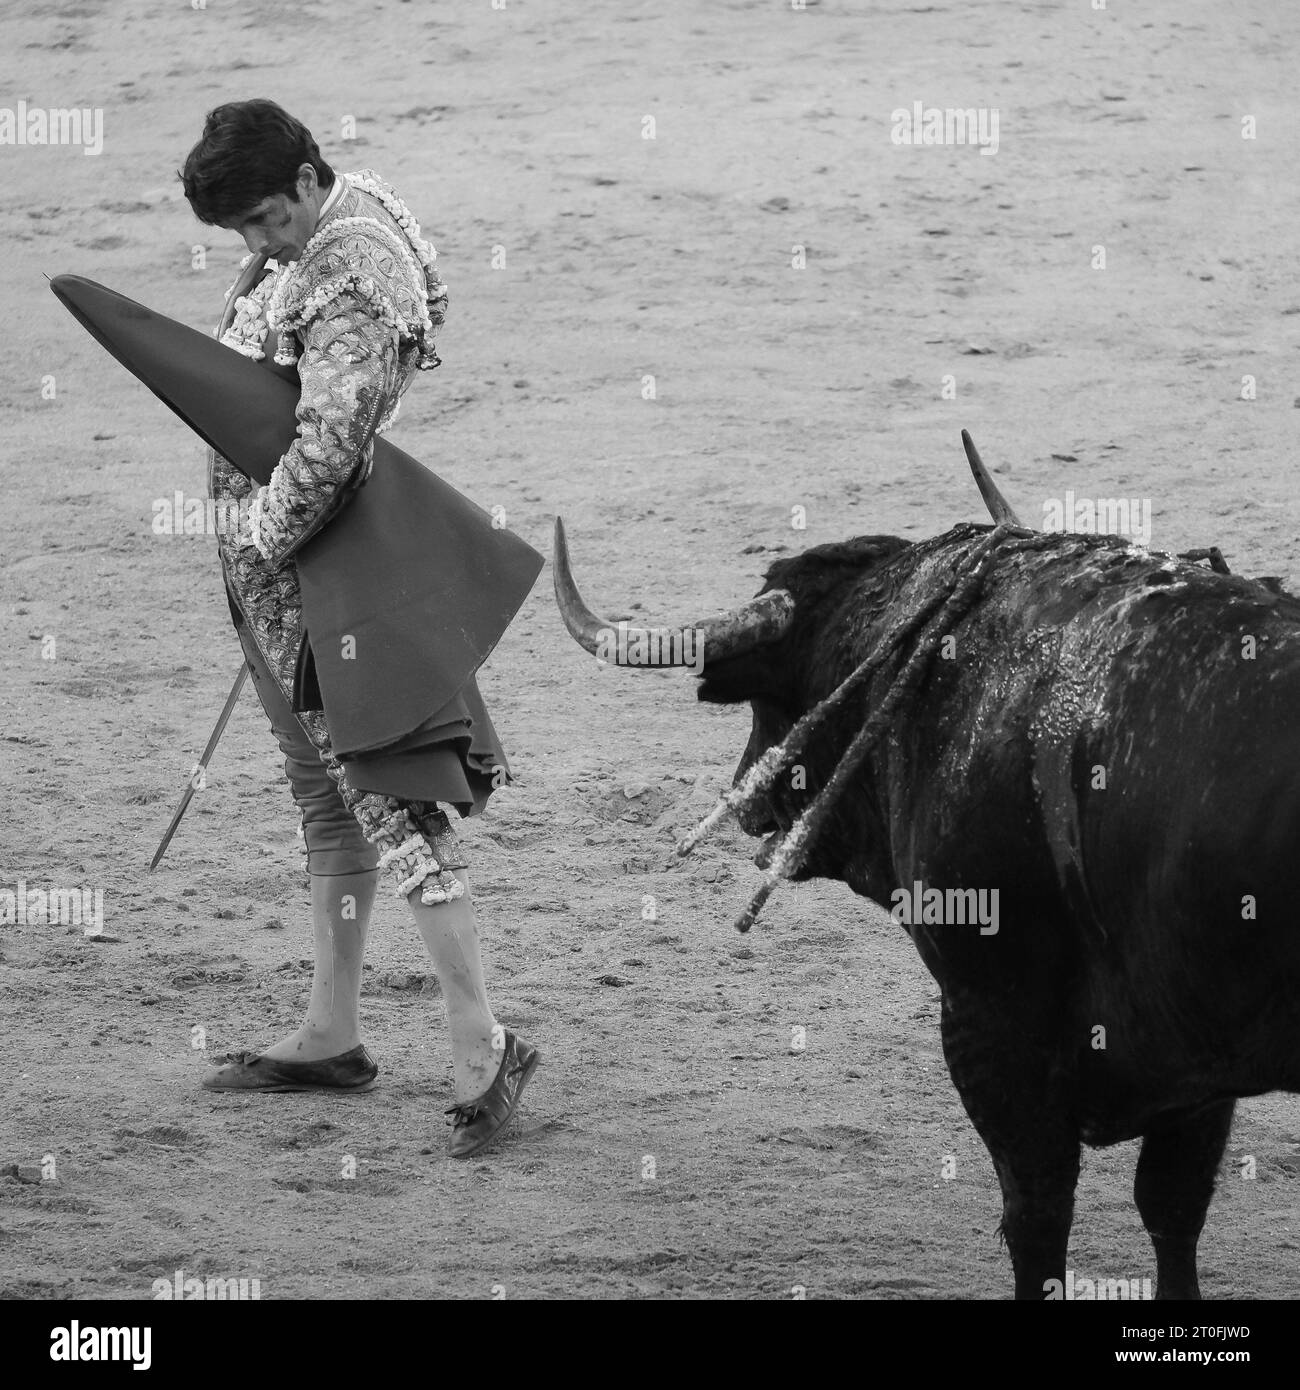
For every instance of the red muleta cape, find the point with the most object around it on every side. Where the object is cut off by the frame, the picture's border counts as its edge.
(413, 571)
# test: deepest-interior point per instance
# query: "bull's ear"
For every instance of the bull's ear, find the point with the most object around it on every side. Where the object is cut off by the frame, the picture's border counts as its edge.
(735, 679)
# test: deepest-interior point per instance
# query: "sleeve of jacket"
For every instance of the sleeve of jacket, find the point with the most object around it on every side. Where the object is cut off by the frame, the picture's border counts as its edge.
(349, 374)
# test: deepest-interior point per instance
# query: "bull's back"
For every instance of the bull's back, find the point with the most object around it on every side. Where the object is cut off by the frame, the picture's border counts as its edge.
(1119, 755)
(1191, 851)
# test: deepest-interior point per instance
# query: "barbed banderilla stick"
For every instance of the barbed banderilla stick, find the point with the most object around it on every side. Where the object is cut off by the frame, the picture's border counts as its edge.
(197, 774)
(769, 767)
(793, 848)
(1212, 553)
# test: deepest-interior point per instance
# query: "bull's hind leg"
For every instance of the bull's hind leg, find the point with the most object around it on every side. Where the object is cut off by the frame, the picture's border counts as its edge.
(1013, 1094)
(1173, 1187)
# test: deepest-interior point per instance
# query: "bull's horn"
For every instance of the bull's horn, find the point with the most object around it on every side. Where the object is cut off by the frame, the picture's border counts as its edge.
(763, 619)
(999, 507)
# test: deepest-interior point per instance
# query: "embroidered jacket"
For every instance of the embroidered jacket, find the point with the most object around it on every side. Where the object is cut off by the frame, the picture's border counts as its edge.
(357, 313)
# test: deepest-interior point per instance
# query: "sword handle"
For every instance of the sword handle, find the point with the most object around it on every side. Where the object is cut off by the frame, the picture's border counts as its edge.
(251, 275)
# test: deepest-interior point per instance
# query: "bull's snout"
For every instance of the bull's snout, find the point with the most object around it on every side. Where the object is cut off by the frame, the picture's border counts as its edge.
(756, 819)
(757, 816)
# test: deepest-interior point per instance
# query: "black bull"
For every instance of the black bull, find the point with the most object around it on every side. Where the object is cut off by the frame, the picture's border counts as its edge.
(1111, 741)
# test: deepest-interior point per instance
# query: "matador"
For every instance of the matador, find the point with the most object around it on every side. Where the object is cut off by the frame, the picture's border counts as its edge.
(340, 289)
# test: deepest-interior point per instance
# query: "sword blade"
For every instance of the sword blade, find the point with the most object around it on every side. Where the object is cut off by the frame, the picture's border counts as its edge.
(222, 721)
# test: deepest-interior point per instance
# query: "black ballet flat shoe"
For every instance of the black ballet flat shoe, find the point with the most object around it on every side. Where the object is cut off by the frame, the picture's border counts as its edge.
(248, 1071)
(478, 1122)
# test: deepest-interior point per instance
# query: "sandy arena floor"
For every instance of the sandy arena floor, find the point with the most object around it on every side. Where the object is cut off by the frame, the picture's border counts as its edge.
(775, 388)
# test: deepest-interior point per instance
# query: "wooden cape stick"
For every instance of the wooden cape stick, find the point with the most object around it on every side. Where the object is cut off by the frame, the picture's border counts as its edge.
(191, 788)
(252, 273)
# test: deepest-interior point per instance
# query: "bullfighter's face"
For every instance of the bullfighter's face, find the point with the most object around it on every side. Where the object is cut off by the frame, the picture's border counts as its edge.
(279, 226)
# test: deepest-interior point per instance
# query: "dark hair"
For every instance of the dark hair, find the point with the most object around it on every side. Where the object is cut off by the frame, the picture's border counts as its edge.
(250, 150)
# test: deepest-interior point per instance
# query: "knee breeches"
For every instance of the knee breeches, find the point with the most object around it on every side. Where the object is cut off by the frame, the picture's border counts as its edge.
(347, 831)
